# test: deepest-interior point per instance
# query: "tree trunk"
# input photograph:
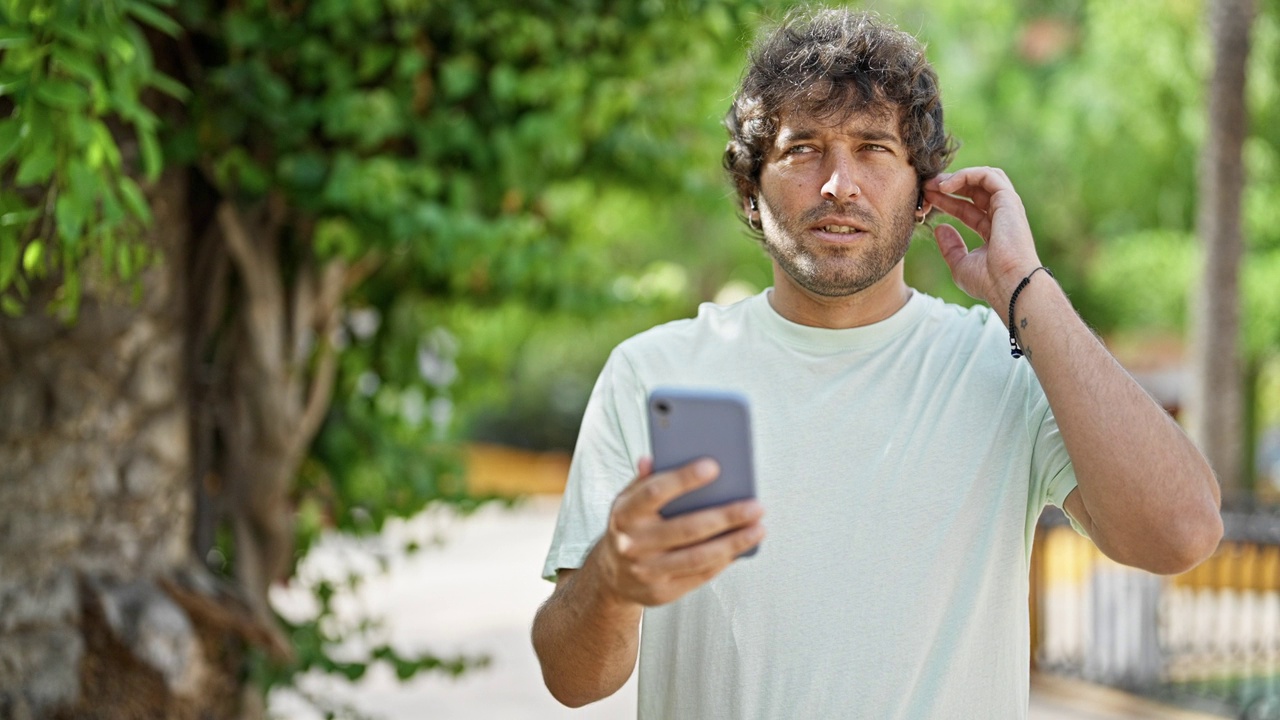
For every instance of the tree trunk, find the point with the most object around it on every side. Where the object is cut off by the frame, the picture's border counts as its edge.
(1215, 409)
(103, 613)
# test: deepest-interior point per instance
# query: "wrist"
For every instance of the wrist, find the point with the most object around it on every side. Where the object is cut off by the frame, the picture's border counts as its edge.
(1007, 284)
(600, 577)
(1011, 315)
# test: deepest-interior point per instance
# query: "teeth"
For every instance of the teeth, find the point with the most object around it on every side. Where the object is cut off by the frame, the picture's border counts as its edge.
(843, 229)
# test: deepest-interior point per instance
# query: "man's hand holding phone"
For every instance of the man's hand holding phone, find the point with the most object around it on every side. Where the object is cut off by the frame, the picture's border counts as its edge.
(647, 559)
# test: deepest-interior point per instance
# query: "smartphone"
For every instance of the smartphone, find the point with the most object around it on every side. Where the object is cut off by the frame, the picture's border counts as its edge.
(686, 424)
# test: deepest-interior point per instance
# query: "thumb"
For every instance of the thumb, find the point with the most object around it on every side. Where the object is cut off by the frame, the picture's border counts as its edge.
(951, 245)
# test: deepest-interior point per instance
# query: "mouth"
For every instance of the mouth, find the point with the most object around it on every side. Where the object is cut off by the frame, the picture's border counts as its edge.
(838, 230)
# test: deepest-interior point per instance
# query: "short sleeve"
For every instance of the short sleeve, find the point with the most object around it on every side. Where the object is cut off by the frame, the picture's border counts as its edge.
(611, 441)
(1053, 475)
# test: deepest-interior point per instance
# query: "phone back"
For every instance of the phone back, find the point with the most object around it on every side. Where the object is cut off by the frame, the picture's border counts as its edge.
(687, 424)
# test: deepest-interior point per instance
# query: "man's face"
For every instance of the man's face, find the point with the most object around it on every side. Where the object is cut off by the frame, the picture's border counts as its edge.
(838, 201)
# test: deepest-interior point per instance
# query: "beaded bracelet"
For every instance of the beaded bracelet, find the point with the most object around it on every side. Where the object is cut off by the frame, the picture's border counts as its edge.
(1014, 350)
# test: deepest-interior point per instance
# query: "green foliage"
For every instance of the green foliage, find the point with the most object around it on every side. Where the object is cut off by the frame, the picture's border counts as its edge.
(532, 182)
(72, 76)
(495, 163)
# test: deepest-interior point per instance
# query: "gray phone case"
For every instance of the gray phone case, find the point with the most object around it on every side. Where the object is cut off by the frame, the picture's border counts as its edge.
(686, 424)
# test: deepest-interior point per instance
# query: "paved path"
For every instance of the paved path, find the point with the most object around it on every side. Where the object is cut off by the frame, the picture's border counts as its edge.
(476, 594)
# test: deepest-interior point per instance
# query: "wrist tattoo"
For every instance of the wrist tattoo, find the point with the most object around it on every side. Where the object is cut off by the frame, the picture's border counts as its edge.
(1014, 349)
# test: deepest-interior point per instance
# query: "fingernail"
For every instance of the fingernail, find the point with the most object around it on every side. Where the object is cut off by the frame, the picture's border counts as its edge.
(706, 469)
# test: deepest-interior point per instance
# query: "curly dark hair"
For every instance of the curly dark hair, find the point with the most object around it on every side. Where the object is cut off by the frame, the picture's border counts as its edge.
(831, 64)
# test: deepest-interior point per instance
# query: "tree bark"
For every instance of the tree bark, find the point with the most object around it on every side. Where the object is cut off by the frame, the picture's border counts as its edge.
(1215, 403)
(96, 577)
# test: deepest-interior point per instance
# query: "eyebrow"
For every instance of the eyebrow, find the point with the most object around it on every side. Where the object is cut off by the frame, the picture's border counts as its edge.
(872, 135)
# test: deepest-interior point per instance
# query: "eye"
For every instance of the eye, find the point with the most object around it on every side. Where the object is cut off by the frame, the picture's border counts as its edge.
(800, 150)
(875, 148)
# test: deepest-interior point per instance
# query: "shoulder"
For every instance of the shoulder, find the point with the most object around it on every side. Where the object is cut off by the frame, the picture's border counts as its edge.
(973, 325)
(712, 326)
(975, 337)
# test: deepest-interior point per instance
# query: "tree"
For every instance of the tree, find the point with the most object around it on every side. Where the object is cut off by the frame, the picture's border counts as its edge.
(321, 185)
(1216, 401)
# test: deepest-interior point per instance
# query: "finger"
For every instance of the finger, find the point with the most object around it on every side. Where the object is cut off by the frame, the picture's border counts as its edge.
(989, 188)
(696, 527)
(644, 468)
(647, 495)
(962, 210)
(976, 193)
(951, 245)
(712, 556)
(961, 182)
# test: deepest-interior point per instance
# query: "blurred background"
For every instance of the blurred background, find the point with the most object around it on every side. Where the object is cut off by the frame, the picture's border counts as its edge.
(295, 291)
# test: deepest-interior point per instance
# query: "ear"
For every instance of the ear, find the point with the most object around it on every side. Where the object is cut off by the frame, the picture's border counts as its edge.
(922, 206)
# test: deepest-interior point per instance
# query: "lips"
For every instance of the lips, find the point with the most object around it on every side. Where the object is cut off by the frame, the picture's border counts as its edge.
(838, 224)
(838, 230)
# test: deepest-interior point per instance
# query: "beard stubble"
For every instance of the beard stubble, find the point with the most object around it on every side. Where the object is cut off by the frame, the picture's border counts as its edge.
(831, 270)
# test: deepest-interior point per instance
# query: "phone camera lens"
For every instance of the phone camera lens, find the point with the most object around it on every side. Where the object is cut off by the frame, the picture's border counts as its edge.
(662, 407)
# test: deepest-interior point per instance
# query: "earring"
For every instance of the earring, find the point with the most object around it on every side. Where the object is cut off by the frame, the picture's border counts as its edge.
(751, 219)
(752, 201)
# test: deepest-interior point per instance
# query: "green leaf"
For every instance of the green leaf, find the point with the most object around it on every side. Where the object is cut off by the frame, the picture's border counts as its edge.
(75, 204)
(8, 258)
(78, 64)
(13, 38)
(67, 300)
(76, 35)
(11, 306)
(112, 212)
(19, 218)
(36, 167)
(147, 14)
(152, 159)
(134, 199)
(169, 86)
(13, 87)
(459, 76)
(69, 214)
(104, 143)
(83, 181)
(32, 255)
(62, 93)
(336, 237)
(10, 137)
(124, 261)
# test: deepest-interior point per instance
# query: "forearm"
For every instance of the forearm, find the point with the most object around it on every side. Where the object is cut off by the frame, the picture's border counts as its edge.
(586, 639)
(1151, 499)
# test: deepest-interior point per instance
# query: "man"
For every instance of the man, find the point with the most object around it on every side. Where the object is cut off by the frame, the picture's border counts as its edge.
(903, 452)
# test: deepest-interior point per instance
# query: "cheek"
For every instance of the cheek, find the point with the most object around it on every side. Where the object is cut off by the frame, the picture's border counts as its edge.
(893, 188)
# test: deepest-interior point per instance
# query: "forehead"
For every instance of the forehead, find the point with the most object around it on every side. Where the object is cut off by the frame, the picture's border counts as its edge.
(877, 121)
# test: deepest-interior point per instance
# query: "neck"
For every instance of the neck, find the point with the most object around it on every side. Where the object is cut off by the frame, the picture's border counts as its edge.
(864, 307)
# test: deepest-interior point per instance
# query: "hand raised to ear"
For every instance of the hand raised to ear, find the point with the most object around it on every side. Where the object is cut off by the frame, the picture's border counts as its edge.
(983, 198)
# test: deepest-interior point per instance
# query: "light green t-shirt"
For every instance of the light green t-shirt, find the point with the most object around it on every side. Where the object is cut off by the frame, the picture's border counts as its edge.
(902, 467)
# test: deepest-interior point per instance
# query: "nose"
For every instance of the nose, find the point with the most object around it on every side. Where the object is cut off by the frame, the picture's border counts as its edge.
(840, 184)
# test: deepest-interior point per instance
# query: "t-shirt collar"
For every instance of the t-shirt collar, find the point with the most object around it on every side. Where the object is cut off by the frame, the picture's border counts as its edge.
(859, 338)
